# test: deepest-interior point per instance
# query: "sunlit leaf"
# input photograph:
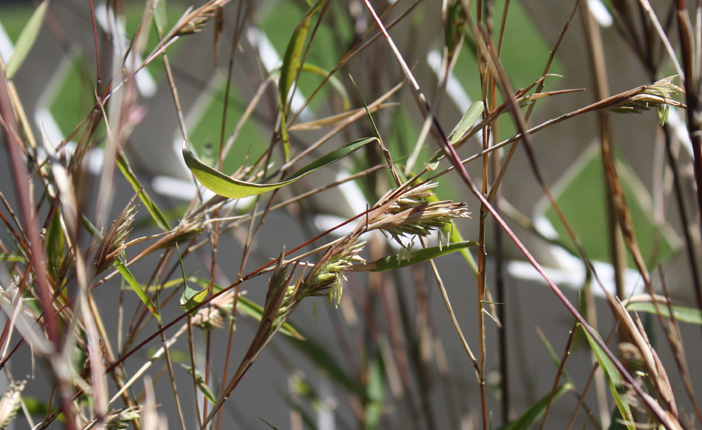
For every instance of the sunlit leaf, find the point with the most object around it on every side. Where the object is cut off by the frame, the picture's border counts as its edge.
(613, 380)
(537, 410)
(466, 122)
(290, 69)
(455, 27)
(293, 55)
(26, 40)
(55, 246)
(226, 186)
(398, 261)
(191, 298)
(127, 275)
(160, 17)
(201, 385)
(681, 313)
(556, 359)
(375, 392)
(146, 200)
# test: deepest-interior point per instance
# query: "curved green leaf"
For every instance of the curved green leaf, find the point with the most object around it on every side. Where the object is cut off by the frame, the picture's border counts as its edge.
(127, 275)
(398, 261)
(613, 380)
(26, 40)
(466, 122)
(293, 56)
(463, 126)
(191, 298)
(146, 200)
(226, 186)
(201, 385)
(536, 411)
(681, 313)
(160, 17)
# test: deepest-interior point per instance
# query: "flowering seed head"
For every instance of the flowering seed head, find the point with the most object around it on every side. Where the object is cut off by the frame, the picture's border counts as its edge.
(414, 214)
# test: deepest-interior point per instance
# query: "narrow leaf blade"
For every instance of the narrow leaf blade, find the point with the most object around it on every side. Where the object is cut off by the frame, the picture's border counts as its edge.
(156, 213)
(681, 313)
(537, 410)
(613, 380)
(394, 262)
(471, 115)
(26, 40)
(201, 385)
(160, 17)
(293, 57)
(127, 275)
(226, 186)
(192, 298)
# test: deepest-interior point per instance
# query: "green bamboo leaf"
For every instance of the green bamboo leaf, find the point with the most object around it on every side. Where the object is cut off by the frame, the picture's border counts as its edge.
(681, 313)
(191, 298)
(55, 246)
(463, 126)
(375, 392)
(160, 17)
(537, 410)
(127, 275)
(466, 122)
(11, 257)
(156, 214)
(26, 40)
(223, 185)
(455, 236)
(613, 379)
(333, 80)
(293, 56)
(201, 385)
(290, 69)
(556, 359)
(455, 28)
(398, 261)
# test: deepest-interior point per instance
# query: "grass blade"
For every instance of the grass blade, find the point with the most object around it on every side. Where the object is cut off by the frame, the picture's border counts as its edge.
(290, 69)
(468, 119)
(681, 313)
(26, 40)
(127, 275)
(375, 392)
(191, 298)
(160, 17)
(201, 385)
(398, 261)
(534, 413)
(156, 214)
(293, 56)
(226, 186)
(613, 380)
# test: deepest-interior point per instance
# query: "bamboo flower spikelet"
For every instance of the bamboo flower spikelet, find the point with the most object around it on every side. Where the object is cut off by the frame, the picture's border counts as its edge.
(400, 213)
